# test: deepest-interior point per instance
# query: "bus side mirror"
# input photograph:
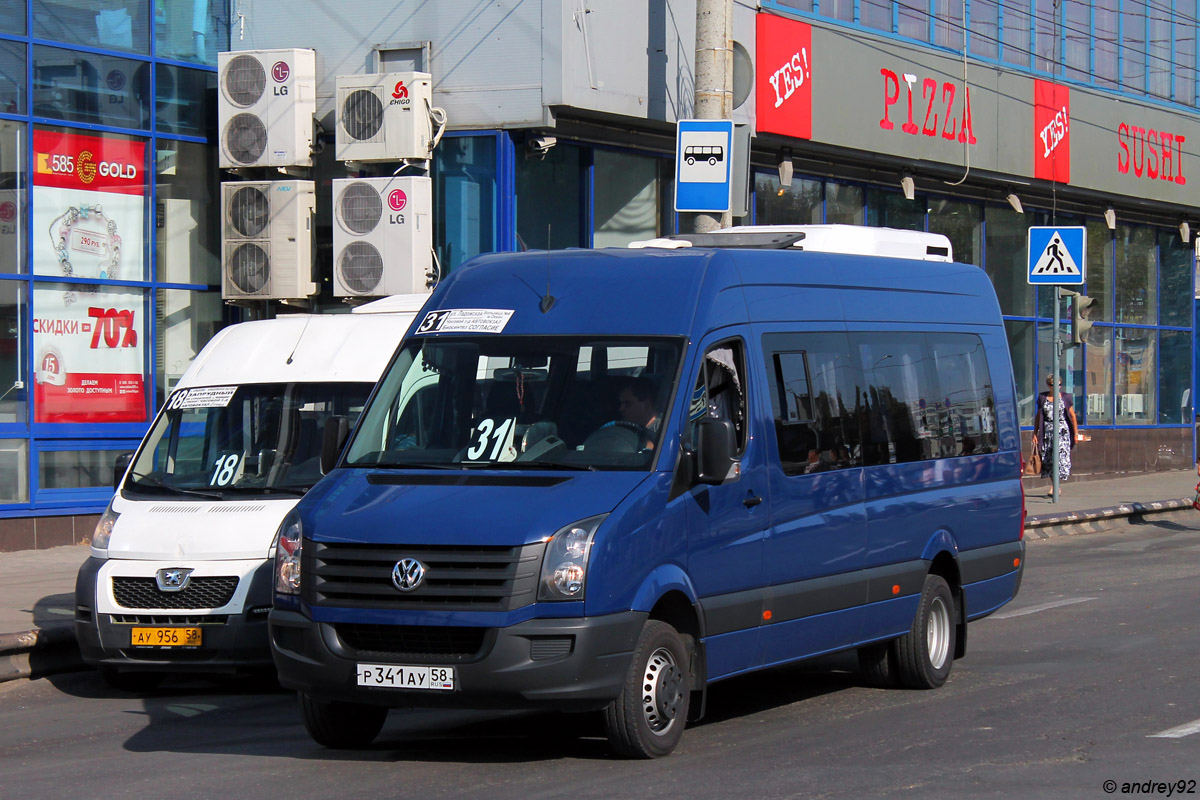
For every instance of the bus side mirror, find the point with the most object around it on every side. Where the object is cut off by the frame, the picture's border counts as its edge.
(332, 439)
(715, 460)
(119, 468)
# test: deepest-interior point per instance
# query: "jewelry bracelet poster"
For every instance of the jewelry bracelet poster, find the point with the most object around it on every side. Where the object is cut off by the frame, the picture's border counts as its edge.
(88, 216)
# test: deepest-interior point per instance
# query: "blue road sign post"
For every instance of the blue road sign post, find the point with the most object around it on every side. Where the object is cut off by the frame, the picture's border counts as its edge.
(703, 155)
(1057, 254)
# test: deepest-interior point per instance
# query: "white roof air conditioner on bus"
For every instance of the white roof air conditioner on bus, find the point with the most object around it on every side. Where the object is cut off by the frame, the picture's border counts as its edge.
(266, 240)
(385, 117)
(382, 236)
(265, 106)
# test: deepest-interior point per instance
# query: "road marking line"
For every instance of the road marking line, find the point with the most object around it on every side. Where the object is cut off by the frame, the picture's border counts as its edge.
(1178, 732)
(1020, 612)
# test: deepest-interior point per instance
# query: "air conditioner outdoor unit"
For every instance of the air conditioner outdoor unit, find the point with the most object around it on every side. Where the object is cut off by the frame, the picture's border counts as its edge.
(382, 236)
(267, 240)
(266, 103)
(384, 117)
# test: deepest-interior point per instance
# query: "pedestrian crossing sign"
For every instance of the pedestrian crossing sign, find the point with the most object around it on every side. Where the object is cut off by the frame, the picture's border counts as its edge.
(1057, 254)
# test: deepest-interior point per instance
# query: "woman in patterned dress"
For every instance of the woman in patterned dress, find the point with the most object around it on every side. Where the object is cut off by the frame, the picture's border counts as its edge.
(1064, 442)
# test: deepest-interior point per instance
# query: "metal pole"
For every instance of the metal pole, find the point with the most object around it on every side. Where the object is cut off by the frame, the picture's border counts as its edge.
(714, 78)
(1054, 397)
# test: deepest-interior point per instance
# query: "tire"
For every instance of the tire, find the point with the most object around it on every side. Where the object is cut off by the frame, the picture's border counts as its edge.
(925, 654)
(132, 681)
(712, 162)
(341, 726)
(691, 161)
(877, 665)
(647, 719)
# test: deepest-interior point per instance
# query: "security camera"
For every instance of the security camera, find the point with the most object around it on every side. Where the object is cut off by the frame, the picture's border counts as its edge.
(540, 145)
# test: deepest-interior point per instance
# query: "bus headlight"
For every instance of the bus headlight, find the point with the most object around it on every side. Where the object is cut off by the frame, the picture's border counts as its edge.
(288, 543)
(564, 565)
(104, 528)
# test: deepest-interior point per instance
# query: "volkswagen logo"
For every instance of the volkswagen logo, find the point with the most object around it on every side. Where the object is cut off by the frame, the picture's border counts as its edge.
(174, 579)
(408, 574)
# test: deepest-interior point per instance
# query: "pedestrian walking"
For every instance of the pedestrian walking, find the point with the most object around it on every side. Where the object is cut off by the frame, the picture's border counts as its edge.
(1059, 446)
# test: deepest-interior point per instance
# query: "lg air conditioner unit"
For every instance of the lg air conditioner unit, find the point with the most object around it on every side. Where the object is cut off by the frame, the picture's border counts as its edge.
(265, 107)
(267, 240)
(382, 236)
(384, 117)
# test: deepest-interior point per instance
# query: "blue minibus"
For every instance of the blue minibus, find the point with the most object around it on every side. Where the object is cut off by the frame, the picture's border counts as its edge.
(607, 479)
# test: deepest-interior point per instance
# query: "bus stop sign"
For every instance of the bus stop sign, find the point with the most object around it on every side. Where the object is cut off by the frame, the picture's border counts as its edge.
(703, 155)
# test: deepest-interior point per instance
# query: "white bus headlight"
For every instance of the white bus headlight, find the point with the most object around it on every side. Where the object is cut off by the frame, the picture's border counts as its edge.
(104, 528)
(564, 566)
(288, 543)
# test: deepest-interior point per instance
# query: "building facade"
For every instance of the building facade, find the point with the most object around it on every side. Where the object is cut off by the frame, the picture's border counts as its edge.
(976, 120)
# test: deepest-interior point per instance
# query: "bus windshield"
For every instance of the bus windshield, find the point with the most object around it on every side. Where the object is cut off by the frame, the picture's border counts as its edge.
(235, 440)
(513, 402)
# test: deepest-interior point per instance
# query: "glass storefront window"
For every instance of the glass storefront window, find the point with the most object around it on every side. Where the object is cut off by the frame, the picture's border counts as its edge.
(12, 18)
(1133, 45)
(186, 101)
(187, 229)
(1005, 259)
(89, 205)
(798, 204)
(1016, 33)
(13, 141)
(464, 175)
(1021, 342)
(891, 210)
(1098, 377)
(875, 14)
(1135, 376)
(191, 30)
(549, 199)
(1175, 381)
(14, 471)
(90, 88)
(1045, 35)
(1104, 42)
(948, 24)
(844, 204)
(1176, 262)
(1099, 270)
(626, 202)
(838, 9)
(1069, 363)
(13, 393)
(984, 30)
(1185, 57)
(1158, 56)
(111, 25)
(1136, 296)
(88, 353)
(962, 223)
(186, 321)
(913, 19)
(12, 77)
(77, 469)
(1076, 25)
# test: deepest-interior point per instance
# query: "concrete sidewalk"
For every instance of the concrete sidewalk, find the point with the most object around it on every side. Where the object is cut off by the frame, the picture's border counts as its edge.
(37, 587)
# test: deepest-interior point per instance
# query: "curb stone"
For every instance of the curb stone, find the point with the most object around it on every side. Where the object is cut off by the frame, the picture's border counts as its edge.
(1094, 520)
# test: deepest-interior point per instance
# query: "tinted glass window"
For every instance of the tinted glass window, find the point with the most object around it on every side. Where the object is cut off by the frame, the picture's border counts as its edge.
(112, 25)
(186, 100)
(817, 401)
(12, 77)
(90, 88)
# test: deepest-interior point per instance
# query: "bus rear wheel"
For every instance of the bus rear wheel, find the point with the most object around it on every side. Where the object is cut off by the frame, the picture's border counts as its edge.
(925, 654)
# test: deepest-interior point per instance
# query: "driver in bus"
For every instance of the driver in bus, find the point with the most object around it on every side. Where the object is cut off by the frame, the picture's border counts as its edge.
(635, 404)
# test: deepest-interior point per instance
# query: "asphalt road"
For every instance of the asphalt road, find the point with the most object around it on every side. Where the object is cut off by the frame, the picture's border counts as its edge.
(1089, 676)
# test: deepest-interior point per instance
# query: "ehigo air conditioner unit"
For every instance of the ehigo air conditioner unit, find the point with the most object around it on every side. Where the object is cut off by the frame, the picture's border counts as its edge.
(265, 107)
(385, 117)
(382, 236)
(266, 240)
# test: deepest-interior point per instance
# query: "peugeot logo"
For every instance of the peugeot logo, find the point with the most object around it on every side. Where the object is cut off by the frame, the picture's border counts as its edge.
(408, 574)
(174, 579)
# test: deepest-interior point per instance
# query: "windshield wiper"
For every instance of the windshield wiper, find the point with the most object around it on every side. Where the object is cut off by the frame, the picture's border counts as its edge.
(159, 484)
